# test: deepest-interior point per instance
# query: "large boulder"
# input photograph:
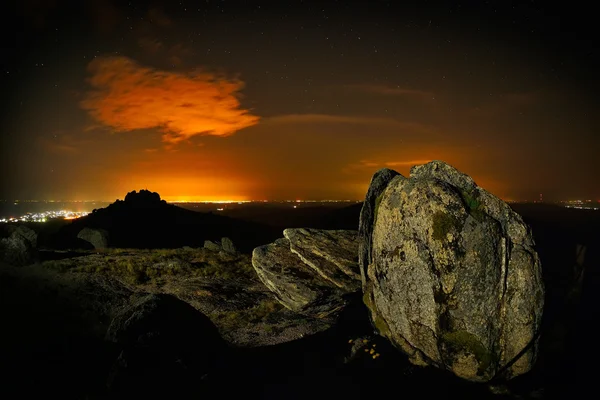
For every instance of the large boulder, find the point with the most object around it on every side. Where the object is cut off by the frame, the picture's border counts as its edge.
(96, 237)
(167, 345)
(19, 248)
(453, 278)
(310, 271)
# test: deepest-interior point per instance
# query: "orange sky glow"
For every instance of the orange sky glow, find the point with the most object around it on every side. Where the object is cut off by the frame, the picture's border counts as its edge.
(208, 106)
(127, 96)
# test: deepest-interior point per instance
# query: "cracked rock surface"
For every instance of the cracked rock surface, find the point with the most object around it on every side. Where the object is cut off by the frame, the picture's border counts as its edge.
(451, 274)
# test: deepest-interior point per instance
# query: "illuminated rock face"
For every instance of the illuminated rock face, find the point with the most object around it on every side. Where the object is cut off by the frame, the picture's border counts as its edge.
(452, 277)
(96, 237)
(310, 271)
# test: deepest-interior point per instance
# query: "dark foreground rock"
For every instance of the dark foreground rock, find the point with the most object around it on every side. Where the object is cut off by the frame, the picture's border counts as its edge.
(166, 343)
(453, 279)
(310, 271)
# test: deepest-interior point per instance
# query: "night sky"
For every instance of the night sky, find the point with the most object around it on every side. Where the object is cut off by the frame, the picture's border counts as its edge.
(243, 100)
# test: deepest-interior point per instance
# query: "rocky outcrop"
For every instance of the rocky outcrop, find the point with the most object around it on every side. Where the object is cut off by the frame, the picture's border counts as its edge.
(165, 341)
(295, 285)
(225, 245)
(310, 271)
(96, 237)
(379, 182)
(144, 199)
(19, 248)
(212, 246)
(453, 278)
(228, 246)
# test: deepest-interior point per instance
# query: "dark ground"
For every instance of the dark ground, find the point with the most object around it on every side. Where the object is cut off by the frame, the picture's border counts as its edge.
(47, 348)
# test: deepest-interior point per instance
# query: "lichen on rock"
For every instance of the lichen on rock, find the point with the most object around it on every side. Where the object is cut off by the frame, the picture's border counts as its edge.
(310, 271)
(451, 276)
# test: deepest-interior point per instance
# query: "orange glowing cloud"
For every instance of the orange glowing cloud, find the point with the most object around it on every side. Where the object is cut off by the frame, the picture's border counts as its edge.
(127, 96)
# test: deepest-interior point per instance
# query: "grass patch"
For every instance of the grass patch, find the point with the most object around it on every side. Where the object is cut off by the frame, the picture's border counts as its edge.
(225, 266)
(150, 266)
(57, 265)
(261, 313)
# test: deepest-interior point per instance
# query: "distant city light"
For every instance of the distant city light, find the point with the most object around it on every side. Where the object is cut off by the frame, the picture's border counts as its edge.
(211, 201)
(45, 216)
(584, 208)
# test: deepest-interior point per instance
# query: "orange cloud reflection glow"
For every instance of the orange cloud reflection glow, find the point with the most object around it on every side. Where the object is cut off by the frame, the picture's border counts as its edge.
(127, 96)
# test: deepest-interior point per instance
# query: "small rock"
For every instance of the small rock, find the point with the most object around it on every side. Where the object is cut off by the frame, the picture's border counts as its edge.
(228, 246)
(19, 248)
(212, 246)
(29, 234)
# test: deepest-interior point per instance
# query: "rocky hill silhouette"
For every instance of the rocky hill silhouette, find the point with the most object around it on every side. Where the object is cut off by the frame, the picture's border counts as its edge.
(143, 220)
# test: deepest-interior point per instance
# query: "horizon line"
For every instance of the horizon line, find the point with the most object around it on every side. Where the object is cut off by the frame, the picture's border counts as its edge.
(228, 201)
(190, 201)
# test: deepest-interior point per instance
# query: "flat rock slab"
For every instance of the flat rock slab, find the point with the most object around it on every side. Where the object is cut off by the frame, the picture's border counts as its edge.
(296, 285)
(333, 254)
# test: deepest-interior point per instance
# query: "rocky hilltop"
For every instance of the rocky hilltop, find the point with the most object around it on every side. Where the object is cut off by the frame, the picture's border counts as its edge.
(143, 220)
